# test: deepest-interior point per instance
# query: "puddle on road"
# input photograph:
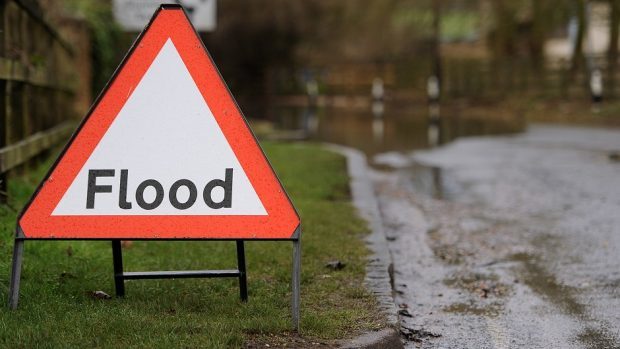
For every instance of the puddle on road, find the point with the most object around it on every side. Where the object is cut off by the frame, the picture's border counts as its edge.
(437, 183)
(432, 181)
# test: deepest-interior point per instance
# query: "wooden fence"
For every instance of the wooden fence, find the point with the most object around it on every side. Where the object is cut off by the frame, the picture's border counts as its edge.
(37, 86)
(479, 78)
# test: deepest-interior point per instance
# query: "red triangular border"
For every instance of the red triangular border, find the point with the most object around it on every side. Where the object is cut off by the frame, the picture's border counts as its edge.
(169, 22)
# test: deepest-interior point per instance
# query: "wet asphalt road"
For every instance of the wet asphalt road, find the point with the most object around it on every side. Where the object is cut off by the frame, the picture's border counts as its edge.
(507, 242)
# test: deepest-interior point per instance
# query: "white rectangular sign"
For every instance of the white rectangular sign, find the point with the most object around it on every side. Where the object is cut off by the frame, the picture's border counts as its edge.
(133, 15)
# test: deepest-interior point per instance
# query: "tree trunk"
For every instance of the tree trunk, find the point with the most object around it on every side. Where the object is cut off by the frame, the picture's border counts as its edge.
(612, 50)
(537, 34)
(577, 54)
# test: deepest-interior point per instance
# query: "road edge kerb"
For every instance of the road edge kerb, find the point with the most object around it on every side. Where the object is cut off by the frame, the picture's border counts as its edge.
(378, 278)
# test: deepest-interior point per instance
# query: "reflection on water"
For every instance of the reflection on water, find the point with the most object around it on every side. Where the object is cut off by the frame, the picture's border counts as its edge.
(434, 126)
(378, 126)
(382, 127)
(437, 182)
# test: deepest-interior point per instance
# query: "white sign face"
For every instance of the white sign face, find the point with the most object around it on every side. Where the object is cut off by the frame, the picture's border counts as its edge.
(164, 154)
(133, 15)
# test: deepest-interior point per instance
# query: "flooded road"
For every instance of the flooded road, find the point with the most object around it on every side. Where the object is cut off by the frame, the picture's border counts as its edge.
(376, 128)
(500, 238)
(507, 242)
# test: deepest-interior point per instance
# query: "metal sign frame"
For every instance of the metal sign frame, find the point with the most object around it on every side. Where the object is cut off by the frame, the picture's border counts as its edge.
(119, 274)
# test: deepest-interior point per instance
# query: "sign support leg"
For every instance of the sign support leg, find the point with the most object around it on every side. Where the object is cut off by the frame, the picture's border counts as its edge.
(119, 280)
(295, 282)
(16, 271)
(243, 280)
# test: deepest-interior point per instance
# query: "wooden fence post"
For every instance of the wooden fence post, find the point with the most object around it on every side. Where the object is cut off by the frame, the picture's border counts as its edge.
(3, 103)
(36, 87)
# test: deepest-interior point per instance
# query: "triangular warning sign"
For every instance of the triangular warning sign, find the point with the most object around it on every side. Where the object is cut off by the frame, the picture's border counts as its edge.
(164, 153)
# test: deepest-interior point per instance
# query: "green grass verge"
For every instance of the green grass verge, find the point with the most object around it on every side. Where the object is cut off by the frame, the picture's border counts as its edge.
(57, 309)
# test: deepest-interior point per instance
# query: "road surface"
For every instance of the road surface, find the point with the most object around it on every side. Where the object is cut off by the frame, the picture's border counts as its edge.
(507, 242)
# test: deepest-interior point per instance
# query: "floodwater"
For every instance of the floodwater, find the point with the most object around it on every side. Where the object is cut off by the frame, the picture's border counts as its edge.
(501, 236)
(381, 127)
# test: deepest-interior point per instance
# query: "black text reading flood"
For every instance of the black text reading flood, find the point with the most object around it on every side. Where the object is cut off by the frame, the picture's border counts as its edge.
(123, 202)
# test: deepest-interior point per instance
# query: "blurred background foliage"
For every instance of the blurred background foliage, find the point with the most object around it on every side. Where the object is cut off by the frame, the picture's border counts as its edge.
(484, 50)
(105, 35)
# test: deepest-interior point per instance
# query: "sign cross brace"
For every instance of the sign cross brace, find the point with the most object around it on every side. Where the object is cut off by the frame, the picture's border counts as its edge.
(120, 275)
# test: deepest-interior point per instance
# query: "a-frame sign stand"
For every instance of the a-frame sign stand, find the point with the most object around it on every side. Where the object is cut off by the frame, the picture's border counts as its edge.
(120, 275)
(164, 154)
